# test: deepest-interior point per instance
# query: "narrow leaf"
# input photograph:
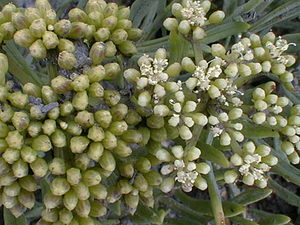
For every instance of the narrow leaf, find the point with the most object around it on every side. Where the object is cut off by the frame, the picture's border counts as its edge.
(284, 193)
(258, 131)
(270, 218)
(210, 153)
(242, 221)
(179, 47)
(251, 195)
(222, 31)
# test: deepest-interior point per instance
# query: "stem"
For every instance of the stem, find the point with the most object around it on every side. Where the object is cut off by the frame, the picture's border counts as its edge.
(214, 193)
(196, 135)
(197, 51)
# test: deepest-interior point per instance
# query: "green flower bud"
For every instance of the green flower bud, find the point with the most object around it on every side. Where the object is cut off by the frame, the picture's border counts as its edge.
(34, 128)
(188, 65)
(5, 168)
(12, 190)
(14, 139)
(28, 183)
(80, 100)
(218, 50)
(244, 70)
(7, 179)
(23, 38)
(184, 27)
(18, 100)
(110, 140)
(259, 118)
(119, 112)
(145, 132)
(102, 34)
(90, 31)
(4, 129)
(42, 5)
(67, 60)
(8, 201)
(216, 17)
(78, 30)
(77, 15)
(230, 176)
(282, 101)
(185, 133)
(96, 18)
(127, 48)
(50, 215)
(140, 183)
(153, 178)
(126, 170)
(39, 167)
(66, 45)
(96, 90)
(41, 143)
(118, 127)
(132, 136)
(38, 28)
(193, 154)
(278, 69)
(143, 165)
(107, 161)
(3, 145)
(57, 166)
(248, 179)
(62, 27)
(134, 34)
(97, 209)
(50, 40)
(287, 77)
(110, 22)
(79, 144)
(112, 97)
(65, 216)
(98, 191)
(20, 169)
(8, 30)
(111, 49)
(103, 117)
(59, 186)
(49, 127)
(159, 135)
(294, 158)
(133, 118)
(198, 33)
(202, 168)
(200, 183)
(171, 24)
(82, 161)
(19, 20)
(80, 83)
(51, 201)
(38, 50)
(48, 95)
(27, 199)
(3, 94)
(162, 155)
(123, 13)
(97, 52)
(11, 155)
(155, 122)
(112, 70)
(124, 186)
(96, 74)
(32, 89)
(118, 36)
(91, 177)
(144, 99)
(70, 200)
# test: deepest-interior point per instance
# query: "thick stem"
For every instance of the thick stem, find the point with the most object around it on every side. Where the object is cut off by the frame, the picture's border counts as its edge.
(214, 193)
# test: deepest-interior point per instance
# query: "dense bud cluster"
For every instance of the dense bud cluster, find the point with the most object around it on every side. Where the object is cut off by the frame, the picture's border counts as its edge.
(92, 146)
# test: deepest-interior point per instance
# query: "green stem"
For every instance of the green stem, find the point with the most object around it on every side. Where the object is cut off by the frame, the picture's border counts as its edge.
(196, 135)
(214, 193)
(197, 51)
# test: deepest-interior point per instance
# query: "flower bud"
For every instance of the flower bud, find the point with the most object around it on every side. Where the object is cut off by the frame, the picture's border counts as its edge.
(118, 36)
(200, 183)
(230, 176)
(78, 30)
(91, 177)
(134, 34)
(57, 166)
(188, 65)
(97, 52)
(244, 70)
(77, 15)
(110, 22)
(214, 92)
(103, 117)
(67, 60)
(12, 190)
(259, 118)
(18, 99)
(62, 28)
(38, 50)
(41, 143)
(14, 139)
(96, 90)
(39, 167)
(126, 170)
(20, 168)
(278, 69)
(95, 151)
(96, 74)
(80, 100)
(111, 97)
(143, 165)
(171, 24)
(8, 30)
(97, 209)
(153, 178)
(79, 144)
(19, 20)
(70, 200)
(107, 161)
(23, 38)
(294, 158)
(127, 48)
(98, 191)
(102, 34)
(184, 27)
(185, 133)
(218, 50)
(216, 17)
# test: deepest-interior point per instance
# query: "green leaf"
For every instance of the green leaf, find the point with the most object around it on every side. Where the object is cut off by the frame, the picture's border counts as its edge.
(184, 210)
(204, 207)
(270, 218)
(182, 221)
(242, 221)
(146, 215)
(222, 31)
(251, 195)
(257, 131)
(210, 153)
(18, 65)
(9, 219)
(285, 11)
(284, 193)
(143, 14)
(179, 47)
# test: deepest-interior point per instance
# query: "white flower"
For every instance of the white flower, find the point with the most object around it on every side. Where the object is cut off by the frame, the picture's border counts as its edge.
(194, 13)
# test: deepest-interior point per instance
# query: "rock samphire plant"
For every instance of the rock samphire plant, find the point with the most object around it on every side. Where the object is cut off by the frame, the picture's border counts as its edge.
(98, 131)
